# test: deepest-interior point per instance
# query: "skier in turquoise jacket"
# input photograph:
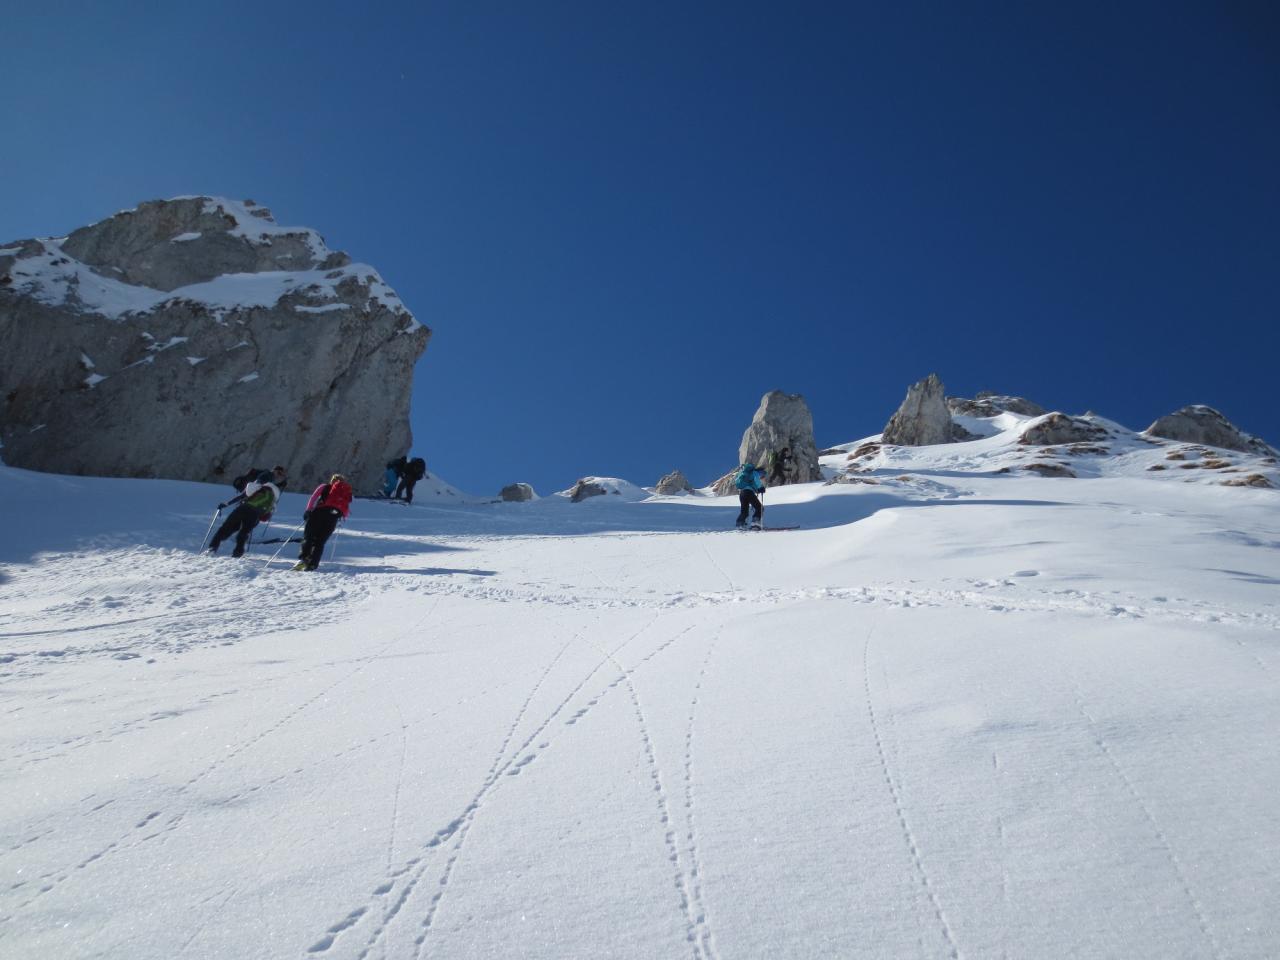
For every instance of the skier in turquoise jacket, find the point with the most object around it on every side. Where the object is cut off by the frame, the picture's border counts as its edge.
(750, 483)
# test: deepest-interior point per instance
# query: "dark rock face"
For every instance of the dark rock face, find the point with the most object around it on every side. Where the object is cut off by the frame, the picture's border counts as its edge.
(194, 338)
(923, 418)
(673, 484)
(517, 493)
(1050, 469)
(1205, 425)
(1055, 428)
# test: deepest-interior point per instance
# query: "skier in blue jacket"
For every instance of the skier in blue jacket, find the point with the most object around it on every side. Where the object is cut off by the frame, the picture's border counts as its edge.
(750, 483)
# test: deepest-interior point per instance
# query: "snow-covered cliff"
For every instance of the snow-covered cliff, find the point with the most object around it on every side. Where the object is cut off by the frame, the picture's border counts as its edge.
(196, 337)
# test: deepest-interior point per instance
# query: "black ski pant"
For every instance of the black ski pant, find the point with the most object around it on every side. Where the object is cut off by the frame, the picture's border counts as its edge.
(319, 528)
(241, 522)
(750, 501)
(406, 487)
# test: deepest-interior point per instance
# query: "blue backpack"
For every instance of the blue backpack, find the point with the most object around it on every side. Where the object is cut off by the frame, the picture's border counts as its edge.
(745, 478)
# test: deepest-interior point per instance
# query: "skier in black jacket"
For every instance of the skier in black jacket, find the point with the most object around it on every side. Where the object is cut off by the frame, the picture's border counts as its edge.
(256, 503)
(414, 471)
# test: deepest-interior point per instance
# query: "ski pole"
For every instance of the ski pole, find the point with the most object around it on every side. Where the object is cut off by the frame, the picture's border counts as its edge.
(262, 537)
(216, 514)
(333, 544)
(272, 558)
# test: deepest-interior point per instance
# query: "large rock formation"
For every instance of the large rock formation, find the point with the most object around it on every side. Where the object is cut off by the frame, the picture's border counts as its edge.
(923, 419)
(1205, 425)
(517, 493)
(1055, 428)
(194, 338)
(673, 484)
(782, 421)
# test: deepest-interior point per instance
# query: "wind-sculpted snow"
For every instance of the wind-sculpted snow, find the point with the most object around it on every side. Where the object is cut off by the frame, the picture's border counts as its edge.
(956, 713)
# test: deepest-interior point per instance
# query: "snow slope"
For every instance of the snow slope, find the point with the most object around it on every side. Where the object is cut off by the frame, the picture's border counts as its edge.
(959, 713)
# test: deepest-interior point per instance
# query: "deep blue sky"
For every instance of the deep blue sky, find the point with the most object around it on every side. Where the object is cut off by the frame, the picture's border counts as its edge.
(626, 222)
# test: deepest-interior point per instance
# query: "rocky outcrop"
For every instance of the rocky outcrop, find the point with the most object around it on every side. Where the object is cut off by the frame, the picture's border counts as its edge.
(988, 404)
(586, 488)
(193, 338)
(517, 493)
(923, 418)
(1205, 425)
(1055, 428)
(724, 486)
(1049, 469)
(673, 484)
(782, 422)
(1252, 480)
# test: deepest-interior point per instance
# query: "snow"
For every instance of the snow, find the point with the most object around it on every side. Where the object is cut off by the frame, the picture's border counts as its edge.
(248, 377)
(10, 251)
(194, 360)
(957, 714)
(93, 379)
(171, 342)
(256, 225)
(185, 237)
(327, 308)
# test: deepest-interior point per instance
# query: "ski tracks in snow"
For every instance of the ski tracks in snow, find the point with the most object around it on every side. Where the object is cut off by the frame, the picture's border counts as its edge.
(510, 763)
(495, 769)
(131, 839)
(1162, 838)
(456, 831)
(895, 793)
(703, 935)
(683, 883)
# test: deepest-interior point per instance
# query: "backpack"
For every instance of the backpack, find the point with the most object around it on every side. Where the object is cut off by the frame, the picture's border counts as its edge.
(263, 499)
(417, 468)
(745, 478)
(241, 481)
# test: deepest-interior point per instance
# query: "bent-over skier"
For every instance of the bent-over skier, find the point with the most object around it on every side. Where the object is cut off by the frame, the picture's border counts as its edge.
(330, 502)
(414, 471)
(256, 503)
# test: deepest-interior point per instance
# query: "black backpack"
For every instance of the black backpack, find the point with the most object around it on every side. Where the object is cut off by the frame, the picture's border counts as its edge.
(241, 481)
(417, 468)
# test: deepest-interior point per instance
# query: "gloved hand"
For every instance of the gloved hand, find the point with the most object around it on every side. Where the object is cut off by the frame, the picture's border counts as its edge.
(306, 515)
(265, 517)
(222, 506)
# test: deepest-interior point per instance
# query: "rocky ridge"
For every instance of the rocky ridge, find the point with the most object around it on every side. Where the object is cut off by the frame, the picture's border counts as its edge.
(1200, 424)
